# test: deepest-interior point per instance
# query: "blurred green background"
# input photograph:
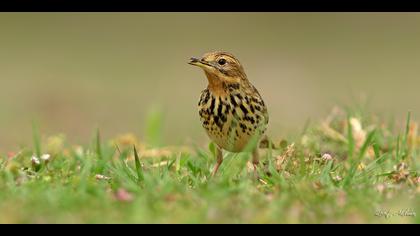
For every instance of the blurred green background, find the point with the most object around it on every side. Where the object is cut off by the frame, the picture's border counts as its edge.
(74, 72)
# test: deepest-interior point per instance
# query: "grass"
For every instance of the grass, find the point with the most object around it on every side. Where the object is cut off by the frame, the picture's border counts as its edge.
(348, 168)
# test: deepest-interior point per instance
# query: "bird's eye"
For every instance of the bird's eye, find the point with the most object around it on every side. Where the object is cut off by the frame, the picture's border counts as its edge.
(222, 62)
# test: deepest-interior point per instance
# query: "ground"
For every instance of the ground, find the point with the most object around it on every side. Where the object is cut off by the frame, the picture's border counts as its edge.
(351, 167)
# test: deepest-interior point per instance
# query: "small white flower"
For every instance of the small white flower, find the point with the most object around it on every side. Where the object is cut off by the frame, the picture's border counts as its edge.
(35, 160)
(45, 157)
(326, 157)
(380, 188)
(102, 177)
(337, 178)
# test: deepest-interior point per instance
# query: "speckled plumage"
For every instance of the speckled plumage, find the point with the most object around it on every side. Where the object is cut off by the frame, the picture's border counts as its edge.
(231, 109)
(230, 120)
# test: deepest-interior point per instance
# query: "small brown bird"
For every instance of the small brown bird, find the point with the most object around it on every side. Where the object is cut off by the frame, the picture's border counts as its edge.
(232, 111)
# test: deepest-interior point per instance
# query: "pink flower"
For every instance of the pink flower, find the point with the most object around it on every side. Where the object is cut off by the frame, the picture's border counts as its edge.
(124, 196)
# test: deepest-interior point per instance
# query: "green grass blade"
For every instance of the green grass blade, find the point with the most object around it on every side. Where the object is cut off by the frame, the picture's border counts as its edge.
(407, 126)
(140, 176)
(154, 127)
(36, 139)
(366, 144)
(355, 163)
(376, 150)
(405, 139)
(325, 174)
(98, 144)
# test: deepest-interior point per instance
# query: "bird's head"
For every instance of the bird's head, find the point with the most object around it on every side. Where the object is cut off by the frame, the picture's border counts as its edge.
(220, 68)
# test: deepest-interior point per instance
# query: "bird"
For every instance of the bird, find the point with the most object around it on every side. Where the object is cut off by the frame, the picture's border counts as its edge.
(231, 110)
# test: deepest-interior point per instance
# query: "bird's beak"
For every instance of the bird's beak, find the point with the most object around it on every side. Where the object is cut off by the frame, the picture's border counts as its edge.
(194, 61)
(197, 62)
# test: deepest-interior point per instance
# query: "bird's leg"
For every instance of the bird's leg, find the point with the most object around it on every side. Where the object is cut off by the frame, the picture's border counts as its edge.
(255, 161)
(219, 156)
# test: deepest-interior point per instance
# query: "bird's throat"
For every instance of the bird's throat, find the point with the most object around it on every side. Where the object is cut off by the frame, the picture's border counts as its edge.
(216, 84)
